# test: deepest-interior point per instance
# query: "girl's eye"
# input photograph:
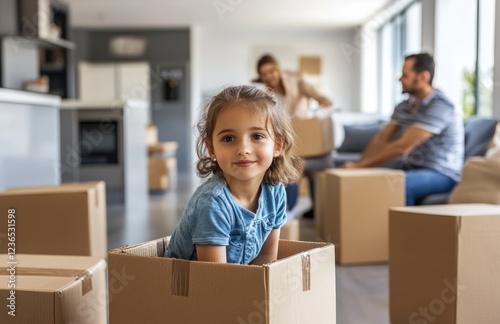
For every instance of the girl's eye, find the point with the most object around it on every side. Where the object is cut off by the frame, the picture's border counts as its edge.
(257, 136)
(228, 139)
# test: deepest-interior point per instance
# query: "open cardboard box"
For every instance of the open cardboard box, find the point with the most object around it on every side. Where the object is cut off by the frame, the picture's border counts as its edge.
(297, 288)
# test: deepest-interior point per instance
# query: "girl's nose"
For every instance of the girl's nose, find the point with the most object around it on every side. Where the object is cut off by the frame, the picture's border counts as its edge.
(244, 148)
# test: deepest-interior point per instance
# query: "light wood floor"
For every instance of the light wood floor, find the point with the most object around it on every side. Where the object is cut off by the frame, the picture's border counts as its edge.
(362, 290)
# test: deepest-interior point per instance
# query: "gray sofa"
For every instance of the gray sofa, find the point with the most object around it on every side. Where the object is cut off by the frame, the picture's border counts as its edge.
(478, 132)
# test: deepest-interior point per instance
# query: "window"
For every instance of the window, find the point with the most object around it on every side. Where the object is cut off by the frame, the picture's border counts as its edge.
(397, 38)
(485, 59)
(464, 53)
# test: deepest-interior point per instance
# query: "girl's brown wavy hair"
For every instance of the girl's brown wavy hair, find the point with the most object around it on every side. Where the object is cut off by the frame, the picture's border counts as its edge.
(285, 168)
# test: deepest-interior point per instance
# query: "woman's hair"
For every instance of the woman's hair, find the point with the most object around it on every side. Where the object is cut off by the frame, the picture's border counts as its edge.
(286, 167)
(266, 59)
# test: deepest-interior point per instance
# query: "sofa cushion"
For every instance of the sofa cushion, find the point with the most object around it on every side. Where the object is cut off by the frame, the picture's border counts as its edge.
(478, 133)
(340, 158)
(480, 181)
(357, 137)
(436, 199)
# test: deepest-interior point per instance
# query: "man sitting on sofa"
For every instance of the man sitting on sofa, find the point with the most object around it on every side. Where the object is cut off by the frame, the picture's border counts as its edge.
(425, 136)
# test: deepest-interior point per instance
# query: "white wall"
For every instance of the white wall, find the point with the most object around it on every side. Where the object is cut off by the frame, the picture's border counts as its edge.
(228, 57)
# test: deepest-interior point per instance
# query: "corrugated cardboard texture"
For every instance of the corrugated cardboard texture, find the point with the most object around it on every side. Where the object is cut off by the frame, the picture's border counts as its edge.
(219, 293)
(58, 220)
(56, 289)
(314, 136)
(356, 212)
(479, 270)
(444, 264)
(298, 298)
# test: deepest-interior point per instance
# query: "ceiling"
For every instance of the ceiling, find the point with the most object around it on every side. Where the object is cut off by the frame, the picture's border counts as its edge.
(222, 13)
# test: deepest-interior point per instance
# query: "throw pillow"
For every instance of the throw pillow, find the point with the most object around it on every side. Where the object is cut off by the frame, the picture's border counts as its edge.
(357, 137)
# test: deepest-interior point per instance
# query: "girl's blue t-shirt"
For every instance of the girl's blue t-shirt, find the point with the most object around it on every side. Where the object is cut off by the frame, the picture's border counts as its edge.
(213, 217)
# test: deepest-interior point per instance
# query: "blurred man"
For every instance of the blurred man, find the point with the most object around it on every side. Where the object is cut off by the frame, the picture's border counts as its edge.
(425, 136)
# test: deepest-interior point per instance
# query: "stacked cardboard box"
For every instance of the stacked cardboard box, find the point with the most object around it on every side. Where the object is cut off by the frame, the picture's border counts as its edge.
(445, 264)
(69, 219)
(314, 136)
(297, 288)
(162, 164)
(53, 289)
(352, 211)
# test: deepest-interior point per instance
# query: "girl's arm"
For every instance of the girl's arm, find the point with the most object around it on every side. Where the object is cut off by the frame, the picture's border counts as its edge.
(269, 251)
(211, 253)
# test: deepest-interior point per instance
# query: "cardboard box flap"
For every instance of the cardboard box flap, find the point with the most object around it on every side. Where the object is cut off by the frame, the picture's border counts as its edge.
(81, 187)
(288, 248)
(38, 283)
(458, 210)
(368, 172)
(154, 248)
(56, 289)
(51, 273)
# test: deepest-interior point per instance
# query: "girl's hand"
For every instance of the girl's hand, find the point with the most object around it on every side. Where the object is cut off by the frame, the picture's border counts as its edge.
(211, 253)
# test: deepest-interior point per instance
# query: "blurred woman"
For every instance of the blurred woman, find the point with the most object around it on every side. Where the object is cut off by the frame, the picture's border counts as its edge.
(295, 92)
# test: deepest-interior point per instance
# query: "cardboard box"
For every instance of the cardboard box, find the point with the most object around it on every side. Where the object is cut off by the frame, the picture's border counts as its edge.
(319, 196)
(298, 288)
(69, 219)
(355, 211)
(53, 289)
(151, 134)
(163, 150)
(445, 264)
(314, 136)
(303, 186)
(291, 230)
(162, 174)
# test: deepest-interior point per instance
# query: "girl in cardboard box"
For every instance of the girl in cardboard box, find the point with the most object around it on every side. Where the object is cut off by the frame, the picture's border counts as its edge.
(246, 143)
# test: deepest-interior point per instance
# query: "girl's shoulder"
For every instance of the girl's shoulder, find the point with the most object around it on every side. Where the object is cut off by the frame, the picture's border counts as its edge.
(213, 187)
(276, 189)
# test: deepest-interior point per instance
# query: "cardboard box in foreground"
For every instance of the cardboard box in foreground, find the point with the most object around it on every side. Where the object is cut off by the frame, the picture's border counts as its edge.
(298, 288)
(69, 219)
(445, 264)
(53, 289)
(353, 211)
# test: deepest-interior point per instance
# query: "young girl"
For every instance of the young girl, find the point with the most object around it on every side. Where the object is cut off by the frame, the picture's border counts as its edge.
(247, 142)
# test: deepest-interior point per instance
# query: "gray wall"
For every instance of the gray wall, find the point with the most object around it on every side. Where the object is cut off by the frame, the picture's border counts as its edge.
(165, 48)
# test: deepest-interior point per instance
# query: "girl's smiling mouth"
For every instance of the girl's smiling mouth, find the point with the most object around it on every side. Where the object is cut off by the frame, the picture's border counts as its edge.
(244, 163)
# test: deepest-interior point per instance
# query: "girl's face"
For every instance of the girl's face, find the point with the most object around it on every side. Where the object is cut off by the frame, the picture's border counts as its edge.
(243, 147)
(270, 75)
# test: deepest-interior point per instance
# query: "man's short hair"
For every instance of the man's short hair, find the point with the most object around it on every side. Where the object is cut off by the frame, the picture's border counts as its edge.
(423, 62)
